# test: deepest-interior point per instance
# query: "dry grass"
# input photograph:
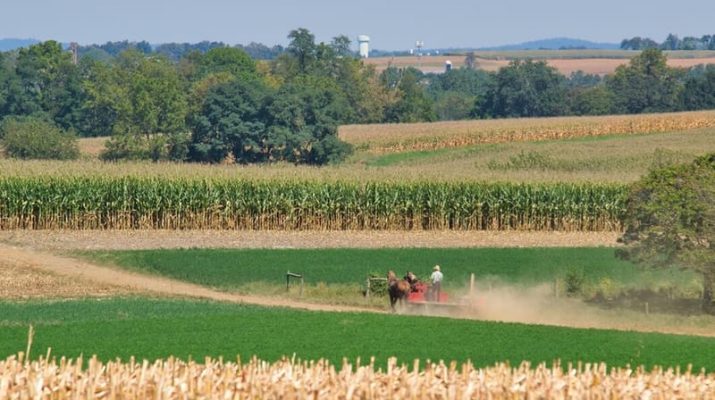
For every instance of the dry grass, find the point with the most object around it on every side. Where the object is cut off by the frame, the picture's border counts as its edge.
(566, 66)
(20, 281)
(393, 138)
(92, 147)
(618, 159)
(290, 379)
(386, 152)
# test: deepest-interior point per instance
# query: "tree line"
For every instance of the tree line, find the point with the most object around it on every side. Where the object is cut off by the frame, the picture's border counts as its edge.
(211, 102)
(672, 42)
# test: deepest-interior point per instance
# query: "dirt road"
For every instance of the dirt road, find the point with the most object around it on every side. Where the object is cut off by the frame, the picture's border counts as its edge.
(104, 276)
(166, 239)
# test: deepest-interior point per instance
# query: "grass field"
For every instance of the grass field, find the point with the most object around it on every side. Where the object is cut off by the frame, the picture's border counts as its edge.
(151, 329)
(600, 272)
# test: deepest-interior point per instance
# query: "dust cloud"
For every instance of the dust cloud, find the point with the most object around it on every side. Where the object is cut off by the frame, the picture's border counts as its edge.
(540, 305)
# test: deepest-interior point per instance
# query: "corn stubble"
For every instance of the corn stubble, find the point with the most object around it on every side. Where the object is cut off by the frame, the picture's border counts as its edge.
(291, 379)
(150, 203)
(395, 138)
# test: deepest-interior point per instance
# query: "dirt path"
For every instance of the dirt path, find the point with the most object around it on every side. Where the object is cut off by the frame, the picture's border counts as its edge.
(166, 239)
(76, 269)
(516, 306)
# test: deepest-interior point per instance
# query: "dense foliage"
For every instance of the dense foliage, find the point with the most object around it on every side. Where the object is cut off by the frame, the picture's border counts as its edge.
(671, 220)
(34, 138)
(672, 42)
(207, 101)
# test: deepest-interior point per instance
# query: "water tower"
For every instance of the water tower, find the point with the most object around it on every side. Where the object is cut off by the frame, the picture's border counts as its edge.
(364, 41)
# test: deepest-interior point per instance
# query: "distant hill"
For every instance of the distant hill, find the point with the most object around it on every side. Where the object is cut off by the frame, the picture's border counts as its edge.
(12, 44)
(557, 44)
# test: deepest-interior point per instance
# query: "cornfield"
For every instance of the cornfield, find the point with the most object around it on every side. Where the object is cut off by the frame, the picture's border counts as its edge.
(393, 138)
(290, 379)
(154, 203)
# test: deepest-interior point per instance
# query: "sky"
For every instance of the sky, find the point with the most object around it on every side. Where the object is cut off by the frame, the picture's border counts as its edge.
(391, 24)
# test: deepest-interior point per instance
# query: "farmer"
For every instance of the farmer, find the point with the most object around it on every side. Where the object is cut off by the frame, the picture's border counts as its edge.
(436, 279)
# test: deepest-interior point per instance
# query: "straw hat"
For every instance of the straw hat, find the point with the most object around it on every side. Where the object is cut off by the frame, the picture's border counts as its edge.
(436, 268)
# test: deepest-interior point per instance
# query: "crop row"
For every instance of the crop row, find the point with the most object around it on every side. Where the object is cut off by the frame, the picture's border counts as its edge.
(290, 379)
(392, 138)
(145, 203)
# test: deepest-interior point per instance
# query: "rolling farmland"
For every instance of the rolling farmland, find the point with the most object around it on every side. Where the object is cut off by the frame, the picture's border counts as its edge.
(391, 138)
(551, 175)
(599, 62)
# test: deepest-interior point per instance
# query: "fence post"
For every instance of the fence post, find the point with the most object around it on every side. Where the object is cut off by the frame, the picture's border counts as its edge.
(471, 285)
(367, 292)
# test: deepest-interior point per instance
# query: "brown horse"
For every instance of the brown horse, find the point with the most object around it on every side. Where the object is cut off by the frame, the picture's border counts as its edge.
(397, 288)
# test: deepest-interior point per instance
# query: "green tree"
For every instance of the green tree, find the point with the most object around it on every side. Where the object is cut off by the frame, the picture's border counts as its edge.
(527, 89)
(341, 46)
(646, 84)
(47, 83)
(454, 106)
(35, 138)
(231, 122)
(302, 46)
(144, 100)
(670, 220)
(304, 119)
(597, 100)
(412, 103)
(699, 92)
(226, 60)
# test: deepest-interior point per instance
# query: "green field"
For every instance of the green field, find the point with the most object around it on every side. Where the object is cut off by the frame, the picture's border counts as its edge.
(240, 269)
(151, 329)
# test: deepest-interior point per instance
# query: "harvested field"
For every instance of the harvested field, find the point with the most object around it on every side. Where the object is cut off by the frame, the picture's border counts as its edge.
(566, 66)
(292, 379)
(394, 138)
(22, 281)
(171, 239)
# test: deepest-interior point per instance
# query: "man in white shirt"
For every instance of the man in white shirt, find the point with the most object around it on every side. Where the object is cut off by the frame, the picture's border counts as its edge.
(436, 279)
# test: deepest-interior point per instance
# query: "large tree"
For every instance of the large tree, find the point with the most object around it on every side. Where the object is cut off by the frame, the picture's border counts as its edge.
(671, 221)
(646, 84)
(527, 89)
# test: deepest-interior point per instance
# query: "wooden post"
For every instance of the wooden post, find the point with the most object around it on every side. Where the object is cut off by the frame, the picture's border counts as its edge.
(556, 288)
(367, 291)
(647, 311)
(287, 281)
(301, 286)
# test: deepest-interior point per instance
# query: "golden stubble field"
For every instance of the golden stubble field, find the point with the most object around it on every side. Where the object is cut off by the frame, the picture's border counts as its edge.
(395, 138)
(566, 66)
(294, 379)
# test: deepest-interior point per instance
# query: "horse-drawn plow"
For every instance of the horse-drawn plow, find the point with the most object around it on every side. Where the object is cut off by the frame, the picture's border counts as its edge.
(418, 295)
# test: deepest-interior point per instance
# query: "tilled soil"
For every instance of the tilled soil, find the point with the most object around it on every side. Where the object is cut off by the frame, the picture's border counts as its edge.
(166, 239)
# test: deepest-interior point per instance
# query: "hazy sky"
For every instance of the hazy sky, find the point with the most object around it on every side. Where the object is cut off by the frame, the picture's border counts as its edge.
(392, 24)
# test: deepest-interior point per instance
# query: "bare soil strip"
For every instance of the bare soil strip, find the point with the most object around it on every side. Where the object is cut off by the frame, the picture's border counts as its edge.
(22, 282)
(104, 276)
(170, 239)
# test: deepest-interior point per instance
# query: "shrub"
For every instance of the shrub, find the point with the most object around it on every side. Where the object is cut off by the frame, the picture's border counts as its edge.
(35, 138)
